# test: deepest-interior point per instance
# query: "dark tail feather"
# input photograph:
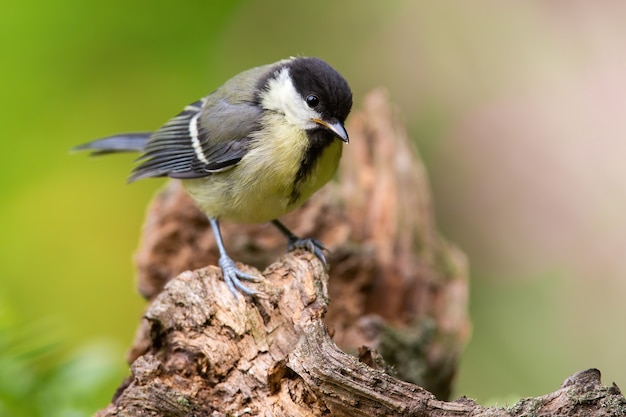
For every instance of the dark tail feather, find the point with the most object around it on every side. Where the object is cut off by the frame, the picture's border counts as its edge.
(126, 142)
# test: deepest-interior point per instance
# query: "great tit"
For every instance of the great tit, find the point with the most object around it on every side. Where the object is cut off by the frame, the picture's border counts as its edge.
(251, 151)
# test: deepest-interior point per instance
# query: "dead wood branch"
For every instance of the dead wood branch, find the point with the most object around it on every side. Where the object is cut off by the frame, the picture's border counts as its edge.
(213, 355)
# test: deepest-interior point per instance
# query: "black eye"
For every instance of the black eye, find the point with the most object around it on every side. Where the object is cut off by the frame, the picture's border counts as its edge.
(312, 100)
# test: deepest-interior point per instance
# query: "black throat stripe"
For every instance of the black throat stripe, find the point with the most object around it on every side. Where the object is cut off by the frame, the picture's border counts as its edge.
(319, 139)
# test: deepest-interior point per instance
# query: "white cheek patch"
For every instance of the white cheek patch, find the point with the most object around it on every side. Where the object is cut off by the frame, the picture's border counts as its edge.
(281, 96)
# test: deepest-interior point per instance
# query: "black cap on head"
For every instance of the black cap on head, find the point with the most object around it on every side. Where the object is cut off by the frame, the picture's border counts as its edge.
(314, 77)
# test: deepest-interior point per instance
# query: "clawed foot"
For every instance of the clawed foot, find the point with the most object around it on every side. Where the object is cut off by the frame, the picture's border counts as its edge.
(312, 245)
(233, 276)
(294, 242)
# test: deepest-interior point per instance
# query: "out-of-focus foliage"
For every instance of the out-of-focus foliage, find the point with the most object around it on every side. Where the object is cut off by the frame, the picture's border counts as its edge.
(38, 379)
(517, 108)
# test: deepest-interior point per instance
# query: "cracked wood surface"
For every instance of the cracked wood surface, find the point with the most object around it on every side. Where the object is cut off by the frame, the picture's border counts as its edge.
(213, 355)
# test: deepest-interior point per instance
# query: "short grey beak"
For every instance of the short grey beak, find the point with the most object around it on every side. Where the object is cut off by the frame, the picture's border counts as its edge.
(335, 127)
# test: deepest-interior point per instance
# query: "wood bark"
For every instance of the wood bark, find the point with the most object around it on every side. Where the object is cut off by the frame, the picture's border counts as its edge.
(396, 301)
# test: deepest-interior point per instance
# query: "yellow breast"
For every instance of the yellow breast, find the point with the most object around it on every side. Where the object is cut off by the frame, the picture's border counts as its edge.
(260, 187)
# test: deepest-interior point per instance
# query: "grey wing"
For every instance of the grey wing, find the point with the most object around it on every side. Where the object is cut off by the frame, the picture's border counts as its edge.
(206, 137)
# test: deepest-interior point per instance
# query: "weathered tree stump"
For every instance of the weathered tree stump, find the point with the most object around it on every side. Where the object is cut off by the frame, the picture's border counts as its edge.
(397, 291)
(213, 355)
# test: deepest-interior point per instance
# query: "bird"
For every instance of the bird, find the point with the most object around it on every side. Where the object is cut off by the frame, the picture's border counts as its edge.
(251, 151)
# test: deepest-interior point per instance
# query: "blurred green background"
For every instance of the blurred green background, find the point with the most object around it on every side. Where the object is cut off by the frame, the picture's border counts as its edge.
(517, 108)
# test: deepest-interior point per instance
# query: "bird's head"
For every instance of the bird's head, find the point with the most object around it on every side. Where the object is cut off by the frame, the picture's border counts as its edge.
(310, 93)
